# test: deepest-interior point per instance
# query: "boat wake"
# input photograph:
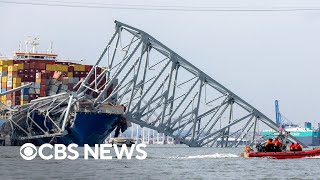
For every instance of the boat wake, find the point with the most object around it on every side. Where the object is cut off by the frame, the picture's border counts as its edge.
(216, 155)
(314, 157)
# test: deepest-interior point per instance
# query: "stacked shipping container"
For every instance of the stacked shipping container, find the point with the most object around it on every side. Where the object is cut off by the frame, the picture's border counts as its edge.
(48, 77)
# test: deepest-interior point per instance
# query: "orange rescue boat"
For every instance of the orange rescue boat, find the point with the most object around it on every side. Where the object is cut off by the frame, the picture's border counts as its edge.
(249, 153)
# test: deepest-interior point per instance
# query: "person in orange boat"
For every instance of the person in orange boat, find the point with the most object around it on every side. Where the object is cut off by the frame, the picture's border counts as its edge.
(277, 145)
(269, 145)
(292, 147)
(298, 147)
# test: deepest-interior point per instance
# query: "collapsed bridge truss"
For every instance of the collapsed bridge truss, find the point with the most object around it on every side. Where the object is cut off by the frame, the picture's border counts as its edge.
(165, 92)
(160, 90)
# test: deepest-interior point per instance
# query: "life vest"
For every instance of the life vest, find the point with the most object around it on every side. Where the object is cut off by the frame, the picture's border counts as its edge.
(277, 143)
(292, 147)
(269, 143)
(298, 147)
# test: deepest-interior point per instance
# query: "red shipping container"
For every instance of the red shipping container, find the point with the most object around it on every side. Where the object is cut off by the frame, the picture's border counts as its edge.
(9, 97)
(43, 82)
(91, 78)
(98, 70)
(76, 74)
(17, 98)
(37, 65)
(32, 65)
(32, 78)
(50, 61)
(26, 65)
(103, 81)
(88, 68)
(17, 93)
(43, 87)
(51, 74)
(42, 66)
(25, 78)
(42, 93)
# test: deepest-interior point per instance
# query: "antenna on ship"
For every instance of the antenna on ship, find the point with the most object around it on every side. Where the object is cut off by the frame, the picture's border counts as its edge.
(26, 43)
(19, 46)
(51, 47)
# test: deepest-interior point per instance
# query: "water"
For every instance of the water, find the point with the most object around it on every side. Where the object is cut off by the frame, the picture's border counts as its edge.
(163, 162)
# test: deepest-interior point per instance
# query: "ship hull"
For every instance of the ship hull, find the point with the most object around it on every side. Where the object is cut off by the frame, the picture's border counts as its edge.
(310, 140)
(92, 128)
(88, 128)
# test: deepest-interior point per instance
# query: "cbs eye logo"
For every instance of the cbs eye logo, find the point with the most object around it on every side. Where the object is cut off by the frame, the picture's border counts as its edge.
(28, 151)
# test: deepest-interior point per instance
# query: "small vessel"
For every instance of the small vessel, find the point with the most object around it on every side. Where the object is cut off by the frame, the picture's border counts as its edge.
(119, 141)
(280, 153)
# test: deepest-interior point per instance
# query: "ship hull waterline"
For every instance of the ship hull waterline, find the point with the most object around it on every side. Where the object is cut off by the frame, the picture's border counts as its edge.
(88, 128)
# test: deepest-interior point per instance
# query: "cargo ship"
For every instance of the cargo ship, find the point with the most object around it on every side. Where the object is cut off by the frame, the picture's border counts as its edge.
(308, 135)
(50, 77)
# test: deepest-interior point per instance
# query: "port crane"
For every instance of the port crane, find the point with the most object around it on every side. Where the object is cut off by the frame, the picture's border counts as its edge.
(281, 120)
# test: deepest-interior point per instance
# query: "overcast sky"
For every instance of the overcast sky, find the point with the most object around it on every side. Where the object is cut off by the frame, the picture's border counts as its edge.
(261, 56)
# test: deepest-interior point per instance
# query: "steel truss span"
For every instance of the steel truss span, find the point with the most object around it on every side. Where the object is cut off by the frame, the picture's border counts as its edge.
(165, 92)
(161, 91)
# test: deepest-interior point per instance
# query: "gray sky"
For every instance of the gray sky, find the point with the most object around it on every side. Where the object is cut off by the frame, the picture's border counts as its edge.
(261, 56)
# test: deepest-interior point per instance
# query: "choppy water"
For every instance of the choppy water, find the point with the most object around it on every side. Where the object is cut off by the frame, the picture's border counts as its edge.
(163, 162)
